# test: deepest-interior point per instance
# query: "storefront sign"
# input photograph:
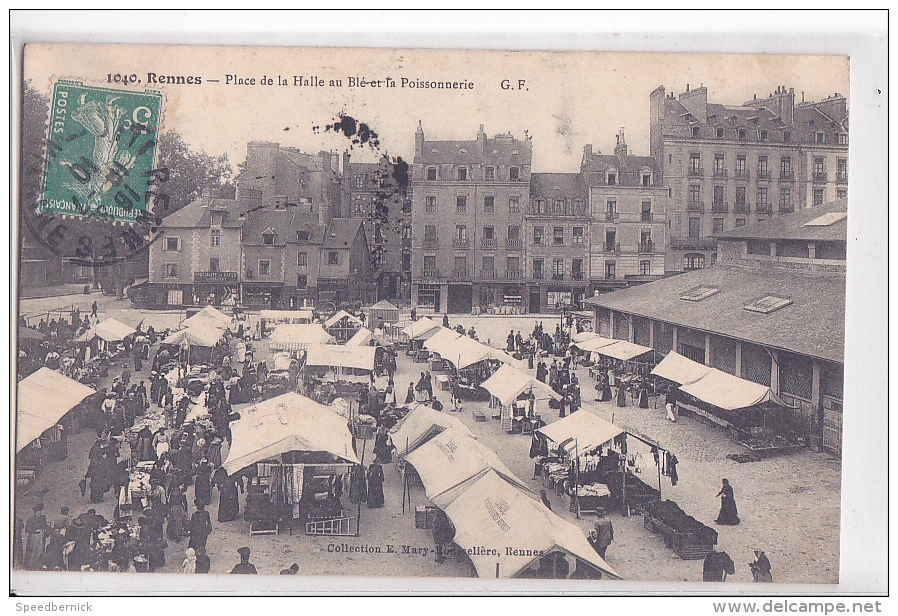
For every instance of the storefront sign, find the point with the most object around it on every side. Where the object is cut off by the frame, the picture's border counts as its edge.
(215, 277)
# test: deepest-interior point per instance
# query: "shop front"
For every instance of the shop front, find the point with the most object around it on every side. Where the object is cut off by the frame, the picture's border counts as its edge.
(215, 288)
(261, 294)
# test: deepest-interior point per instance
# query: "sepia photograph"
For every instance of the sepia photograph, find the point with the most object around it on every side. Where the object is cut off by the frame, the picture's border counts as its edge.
(574, 316)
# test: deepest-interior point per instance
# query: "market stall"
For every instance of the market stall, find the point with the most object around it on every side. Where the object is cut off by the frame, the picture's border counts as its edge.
(515, 393)
(107, 335)
(273, 318)
(420, 425)
(382, 313)
(452, 460)
(209, 316)
(417, 333)
(508, 534)
(343, 325)
(295, 337)
(584, 460)
(43, 401)
(298, 454)
(196, 344)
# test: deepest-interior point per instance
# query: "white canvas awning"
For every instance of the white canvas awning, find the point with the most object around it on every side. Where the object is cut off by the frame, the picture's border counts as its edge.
(340, 316)
(492, 512)
(360, 338)
(509, 382)
(582, 430)
(109, 330)
(287, 316)
(595, 343)
(208, 316)
(623, 350)
(42, 399)
(729, 392)
(289, 422)
(583, 337)
(681, 370)
(421, 329)
(467, 352)
(421, 424)
(451, 460)
(198, 335)
(293, 337)
(442, 342)
(337, 356)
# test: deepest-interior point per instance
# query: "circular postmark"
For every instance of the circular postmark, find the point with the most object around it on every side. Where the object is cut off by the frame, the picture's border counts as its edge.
(101, 194)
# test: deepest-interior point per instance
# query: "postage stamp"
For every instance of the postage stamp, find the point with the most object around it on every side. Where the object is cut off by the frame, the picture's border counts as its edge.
(101, 148)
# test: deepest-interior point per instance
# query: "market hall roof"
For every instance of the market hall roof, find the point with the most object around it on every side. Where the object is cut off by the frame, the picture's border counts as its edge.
(812, 324)
(805, 224)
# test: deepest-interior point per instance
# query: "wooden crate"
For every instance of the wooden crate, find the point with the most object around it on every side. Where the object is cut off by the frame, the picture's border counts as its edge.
(688, 546)
(479, 416)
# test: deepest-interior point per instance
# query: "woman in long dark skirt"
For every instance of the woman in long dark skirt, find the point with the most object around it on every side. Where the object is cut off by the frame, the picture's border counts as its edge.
(375, 486)
(177, 514)
(358, 485)
(202, 488)
(606, 390)
(621, 394)
(383, 448)
(229, 501)
(643, 396)
(729, 515)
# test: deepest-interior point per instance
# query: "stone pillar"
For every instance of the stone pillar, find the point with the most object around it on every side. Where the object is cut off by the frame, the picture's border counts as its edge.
(611, 324)
(630, 332)
(812, 250)
(772, 249)
(651, 333)
(707, 349)
(815, 385)
(676, 341)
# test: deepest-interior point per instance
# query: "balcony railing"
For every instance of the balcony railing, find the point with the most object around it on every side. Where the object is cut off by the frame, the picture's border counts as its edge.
(431, 273)
(647, 247)
(742, 174)
(515, 244)
(488, 242)
(490, 274)
(842, 178)
(557, 275)
(431, 243)
(514, 274)
(610, 247)
(764, 174)
(460, 274)
(578, 276)
(764, 208)
(742, 208)
(720, 207)
(646, 217)
(696, 172)
(611, 216)
(721, 173)
(787, 176)
(820, 178)
(538, 241)
(695, 206)
(460, 242)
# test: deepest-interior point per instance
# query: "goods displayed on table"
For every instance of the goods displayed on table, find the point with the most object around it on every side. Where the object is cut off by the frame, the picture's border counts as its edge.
(688, 537)
(139, 483)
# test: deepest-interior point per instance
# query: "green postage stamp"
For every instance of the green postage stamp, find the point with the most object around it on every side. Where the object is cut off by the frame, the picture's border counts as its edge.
(101, 152)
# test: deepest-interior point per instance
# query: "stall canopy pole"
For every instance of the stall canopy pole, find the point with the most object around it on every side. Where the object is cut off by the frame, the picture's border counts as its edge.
(659, 470)
(358, 513)
(577, 476)
(405, 479)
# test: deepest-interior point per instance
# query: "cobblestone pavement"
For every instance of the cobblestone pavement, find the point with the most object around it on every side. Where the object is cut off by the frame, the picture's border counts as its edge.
(789, 505)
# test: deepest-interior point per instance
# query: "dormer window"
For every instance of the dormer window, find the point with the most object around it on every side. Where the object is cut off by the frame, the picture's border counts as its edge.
(513, 172)
(612, 178)
(843, 139)
(720, 133)
(646, 179)
(268, 238)
(763, 135)
(696, 131)
(431, 174)
(302, 236)
(820, 137)
(462, 173)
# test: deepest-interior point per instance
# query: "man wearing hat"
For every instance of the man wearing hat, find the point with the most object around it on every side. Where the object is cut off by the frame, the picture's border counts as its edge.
(603, 532)
(244, 566)
(36, 530)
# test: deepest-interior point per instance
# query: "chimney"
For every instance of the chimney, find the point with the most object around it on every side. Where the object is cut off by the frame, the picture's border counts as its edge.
(620, 150)
(481, 142)
(587, 150)
(419, 140)
(326, 161)
(696, 102)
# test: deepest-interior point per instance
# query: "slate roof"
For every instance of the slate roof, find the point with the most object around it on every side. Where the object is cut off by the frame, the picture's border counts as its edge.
(792, 226)
(341, 233)
(629, 168)
(557, 185)
(814, 324)
(198, 213)
(501, 149)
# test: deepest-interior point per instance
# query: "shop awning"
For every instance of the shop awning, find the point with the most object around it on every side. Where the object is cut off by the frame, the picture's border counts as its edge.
(289, 422)
(623, 350)
(442, 342)
(287, 316)
(293, 337)
(421, 424)
(583, 337)
(467, 352)
(681, 370)
(451, 460)
(509, 382)
(595, 343)
(338, 356)
(26, 333)
(42, 399)
(210, 315)
(729, 392)
(582, 430)
(340, 316)
(109, 330)
(492, 513)
(198, 335)
(421, 329)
